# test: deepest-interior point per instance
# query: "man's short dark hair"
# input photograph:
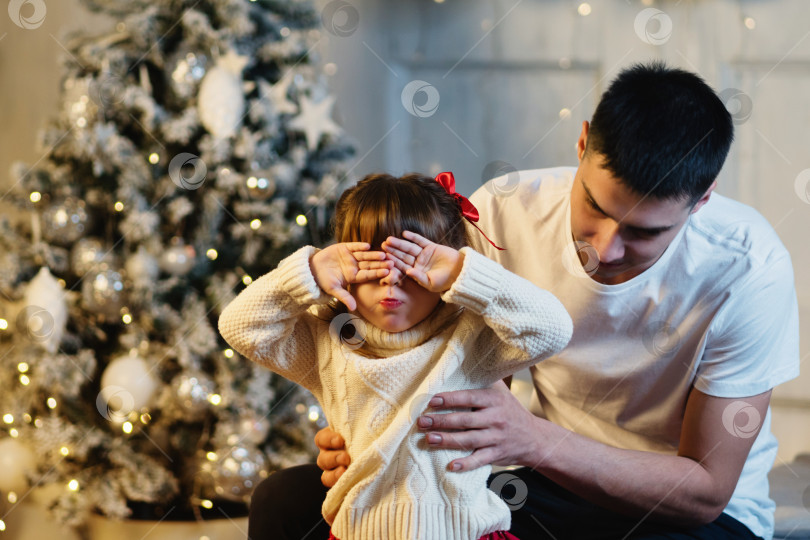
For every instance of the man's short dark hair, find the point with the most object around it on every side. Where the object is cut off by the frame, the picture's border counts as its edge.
(661, 131)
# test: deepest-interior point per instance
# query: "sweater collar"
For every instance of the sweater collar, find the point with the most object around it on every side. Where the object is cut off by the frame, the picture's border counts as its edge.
(378, 342)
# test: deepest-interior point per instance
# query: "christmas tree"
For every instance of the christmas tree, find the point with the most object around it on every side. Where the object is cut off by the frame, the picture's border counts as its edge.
(194, 149)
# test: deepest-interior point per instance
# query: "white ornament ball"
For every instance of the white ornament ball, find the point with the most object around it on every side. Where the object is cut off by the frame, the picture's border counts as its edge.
(16, 460)
(127, 385)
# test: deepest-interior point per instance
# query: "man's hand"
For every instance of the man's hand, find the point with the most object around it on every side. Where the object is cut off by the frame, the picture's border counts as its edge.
(333, 457)
(499, 428)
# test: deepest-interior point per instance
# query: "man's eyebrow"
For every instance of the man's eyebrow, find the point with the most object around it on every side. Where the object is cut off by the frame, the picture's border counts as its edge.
(647, 230)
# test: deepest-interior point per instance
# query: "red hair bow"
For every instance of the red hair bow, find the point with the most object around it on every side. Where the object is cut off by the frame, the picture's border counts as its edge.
(448, 182)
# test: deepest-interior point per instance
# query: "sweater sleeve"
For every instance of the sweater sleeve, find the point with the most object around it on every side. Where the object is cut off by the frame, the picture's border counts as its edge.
(269, 324)
(524, 323)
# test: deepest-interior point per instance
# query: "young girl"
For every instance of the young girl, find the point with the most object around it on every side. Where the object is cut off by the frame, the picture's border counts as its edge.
(375, 325)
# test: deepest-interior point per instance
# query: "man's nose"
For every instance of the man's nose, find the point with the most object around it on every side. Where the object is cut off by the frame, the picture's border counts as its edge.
(609, 244)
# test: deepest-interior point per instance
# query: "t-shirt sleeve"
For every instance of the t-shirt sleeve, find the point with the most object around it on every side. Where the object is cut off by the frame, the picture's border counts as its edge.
(753, 342)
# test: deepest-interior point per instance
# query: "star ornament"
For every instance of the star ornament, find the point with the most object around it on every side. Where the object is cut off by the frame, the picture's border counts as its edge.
(276, 96)
(315, 121)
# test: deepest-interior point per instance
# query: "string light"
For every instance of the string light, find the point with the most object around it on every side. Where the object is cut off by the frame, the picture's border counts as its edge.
(13, 432)
(212, 254)
(38, 422)
(64, 451)
(154, 159)
(73, 485)
(119, 206)
(215, 399)
(27, 418)
(247, 280)
(255, 224)
(22, 367)
(750, 23)
(35, 196)
(127, 318)
(51, 403)
(3, 324)
(24, 380)
(211, 456)
(145, 418)
(127, 427)
(301, 219)
(8, 418)
(2, 525)
(584, 9)
(12, 497)
(228, 353)
(205, 503)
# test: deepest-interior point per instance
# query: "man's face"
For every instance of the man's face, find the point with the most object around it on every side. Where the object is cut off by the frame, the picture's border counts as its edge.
(628, 231)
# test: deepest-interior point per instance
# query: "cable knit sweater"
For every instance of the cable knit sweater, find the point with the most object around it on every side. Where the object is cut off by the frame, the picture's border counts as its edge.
(491, 324)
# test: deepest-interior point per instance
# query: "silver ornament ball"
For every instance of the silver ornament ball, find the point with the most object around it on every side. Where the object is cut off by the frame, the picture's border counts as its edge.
(104, 293)
(238, 470)
(65, 222)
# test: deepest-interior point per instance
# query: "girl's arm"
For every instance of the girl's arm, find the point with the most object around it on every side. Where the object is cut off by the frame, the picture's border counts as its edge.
(526, 323)
(267, 322)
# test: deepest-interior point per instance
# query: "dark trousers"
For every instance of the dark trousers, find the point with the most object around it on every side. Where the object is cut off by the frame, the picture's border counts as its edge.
(287, 506)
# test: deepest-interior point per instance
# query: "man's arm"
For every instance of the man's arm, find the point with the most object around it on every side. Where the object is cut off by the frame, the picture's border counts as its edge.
(690, 488)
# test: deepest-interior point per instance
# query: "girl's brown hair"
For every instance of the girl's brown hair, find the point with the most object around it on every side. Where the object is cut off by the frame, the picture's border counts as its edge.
(381, 205)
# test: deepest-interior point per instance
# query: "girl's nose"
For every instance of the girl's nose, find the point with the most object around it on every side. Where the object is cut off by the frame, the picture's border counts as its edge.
(393, 277)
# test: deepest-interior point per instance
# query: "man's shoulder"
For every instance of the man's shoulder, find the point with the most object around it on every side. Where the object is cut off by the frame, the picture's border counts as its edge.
(738, 229)
(528, 187)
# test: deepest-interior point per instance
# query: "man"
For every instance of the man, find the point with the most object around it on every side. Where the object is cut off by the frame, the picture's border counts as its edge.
(655, 419)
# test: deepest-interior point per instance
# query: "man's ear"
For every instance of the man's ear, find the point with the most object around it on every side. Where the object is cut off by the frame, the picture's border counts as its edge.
(582, 142)
(704, 199)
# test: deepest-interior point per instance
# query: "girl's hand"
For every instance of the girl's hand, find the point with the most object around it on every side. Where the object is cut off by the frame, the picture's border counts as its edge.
(433, 266)
(336, 266)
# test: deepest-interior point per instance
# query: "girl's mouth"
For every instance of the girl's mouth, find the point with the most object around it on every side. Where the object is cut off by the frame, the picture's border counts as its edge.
(391, 303)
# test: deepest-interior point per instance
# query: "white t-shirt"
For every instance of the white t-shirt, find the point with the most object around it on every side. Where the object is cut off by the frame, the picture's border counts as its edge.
(716, 312)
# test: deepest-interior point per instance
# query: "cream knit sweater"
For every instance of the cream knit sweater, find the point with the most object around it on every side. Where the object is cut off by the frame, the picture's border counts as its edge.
(491, 324)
